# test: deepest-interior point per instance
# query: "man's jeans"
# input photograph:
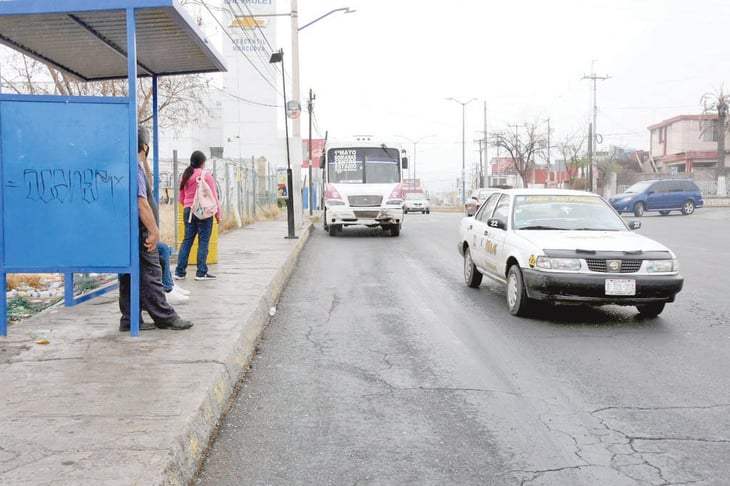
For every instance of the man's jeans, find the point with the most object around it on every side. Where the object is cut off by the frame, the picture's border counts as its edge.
(203, 229)
(165, 255)
(151, 293)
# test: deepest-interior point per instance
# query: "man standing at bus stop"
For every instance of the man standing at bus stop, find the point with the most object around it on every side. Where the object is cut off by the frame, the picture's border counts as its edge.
(151, 291)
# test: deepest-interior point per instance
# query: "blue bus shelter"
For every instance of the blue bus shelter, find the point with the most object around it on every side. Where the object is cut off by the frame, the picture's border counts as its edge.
(68, 164)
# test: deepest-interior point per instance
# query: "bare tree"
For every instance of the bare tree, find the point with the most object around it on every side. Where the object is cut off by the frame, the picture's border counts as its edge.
(523, 146)
(571, 148)
(181, 98)
(714, 117)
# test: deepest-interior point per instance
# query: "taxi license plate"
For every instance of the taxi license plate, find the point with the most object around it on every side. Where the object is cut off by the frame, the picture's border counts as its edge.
(615, 286)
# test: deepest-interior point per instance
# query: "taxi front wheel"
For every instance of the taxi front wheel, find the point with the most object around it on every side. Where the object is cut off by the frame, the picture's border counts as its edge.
(516, 296)
(472, 276)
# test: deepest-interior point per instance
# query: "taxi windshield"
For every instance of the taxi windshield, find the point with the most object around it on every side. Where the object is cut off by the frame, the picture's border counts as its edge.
(586, 213)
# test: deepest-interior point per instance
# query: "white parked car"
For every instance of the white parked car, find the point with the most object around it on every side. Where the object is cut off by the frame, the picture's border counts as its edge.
(416, 202)
(565, 247)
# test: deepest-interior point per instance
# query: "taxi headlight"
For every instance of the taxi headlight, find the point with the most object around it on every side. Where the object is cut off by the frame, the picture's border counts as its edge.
(394, 202)
(565, 264)
(655, 266)
(335, 202)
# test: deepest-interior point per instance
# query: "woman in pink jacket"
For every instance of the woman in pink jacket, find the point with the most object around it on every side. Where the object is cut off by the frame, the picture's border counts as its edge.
(194, 226)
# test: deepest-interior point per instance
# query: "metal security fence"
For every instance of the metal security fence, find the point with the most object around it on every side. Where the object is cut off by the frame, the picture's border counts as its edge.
(243, 189)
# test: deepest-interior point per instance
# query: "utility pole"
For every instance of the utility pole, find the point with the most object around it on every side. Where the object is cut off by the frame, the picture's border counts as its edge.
(548, 153)
(594, 136)
(463, 145)
(486, 143)
(310, 106)
(480, 173)
(590, 158)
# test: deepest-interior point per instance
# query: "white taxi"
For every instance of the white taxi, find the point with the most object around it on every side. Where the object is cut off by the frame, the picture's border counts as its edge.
(565, 247)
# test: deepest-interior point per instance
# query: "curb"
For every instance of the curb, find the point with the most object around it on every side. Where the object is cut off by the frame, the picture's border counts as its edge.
(188, 451)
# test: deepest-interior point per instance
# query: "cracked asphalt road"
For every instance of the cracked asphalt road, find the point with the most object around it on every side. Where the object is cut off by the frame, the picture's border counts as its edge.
(382, 367)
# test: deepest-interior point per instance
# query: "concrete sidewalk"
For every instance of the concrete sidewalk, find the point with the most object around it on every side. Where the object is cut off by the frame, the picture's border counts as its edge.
(96, 406)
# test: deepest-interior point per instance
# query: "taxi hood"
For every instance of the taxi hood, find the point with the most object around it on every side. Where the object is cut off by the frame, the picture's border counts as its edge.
(590, 240)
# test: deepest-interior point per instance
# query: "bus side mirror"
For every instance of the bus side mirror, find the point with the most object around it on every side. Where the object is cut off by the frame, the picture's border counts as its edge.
(321, 162)
(404, 162)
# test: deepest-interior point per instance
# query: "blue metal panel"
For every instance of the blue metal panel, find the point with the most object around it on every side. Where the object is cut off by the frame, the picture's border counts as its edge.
(65, 177)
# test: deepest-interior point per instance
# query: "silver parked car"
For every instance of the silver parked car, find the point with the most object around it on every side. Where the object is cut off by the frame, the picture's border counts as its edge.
(416, 202)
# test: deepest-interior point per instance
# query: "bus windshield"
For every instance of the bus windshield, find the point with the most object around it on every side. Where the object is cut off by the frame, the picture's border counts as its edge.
(363, 165)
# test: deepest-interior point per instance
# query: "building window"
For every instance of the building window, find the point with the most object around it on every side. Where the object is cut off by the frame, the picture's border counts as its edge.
(661, 134)
(709, 134)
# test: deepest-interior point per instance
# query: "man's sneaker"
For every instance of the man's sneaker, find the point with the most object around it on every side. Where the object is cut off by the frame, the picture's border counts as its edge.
(177, 325)
(181, 290)
(175, 296)
(206, 276)
(179, 277)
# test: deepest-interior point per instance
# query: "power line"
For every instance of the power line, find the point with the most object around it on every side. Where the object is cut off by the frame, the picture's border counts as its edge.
(259, 30)
(225, 30)
(239, 98)
(258, 27)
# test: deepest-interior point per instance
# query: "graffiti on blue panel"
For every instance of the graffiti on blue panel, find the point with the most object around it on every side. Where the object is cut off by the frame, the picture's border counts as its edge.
(68, 186)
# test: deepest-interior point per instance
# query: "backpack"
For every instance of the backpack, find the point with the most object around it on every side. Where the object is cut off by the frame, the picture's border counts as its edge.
(204, 204)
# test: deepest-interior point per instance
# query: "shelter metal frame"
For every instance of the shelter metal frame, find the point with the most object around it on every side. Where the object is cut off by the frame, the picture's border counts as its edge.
(96, 41)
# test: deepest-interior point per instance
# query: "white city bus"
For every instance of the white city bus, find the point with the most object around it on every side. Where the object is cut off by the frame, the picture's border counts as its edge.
(362, 185)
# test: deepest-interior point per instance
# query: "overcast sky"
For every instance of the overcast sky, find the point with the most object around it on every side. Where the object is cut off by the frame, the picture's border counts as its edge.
(388, 68)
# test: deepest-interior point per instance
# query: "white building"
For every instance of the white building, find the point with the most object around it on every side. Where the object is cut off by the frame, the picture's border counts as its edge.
(245, 103)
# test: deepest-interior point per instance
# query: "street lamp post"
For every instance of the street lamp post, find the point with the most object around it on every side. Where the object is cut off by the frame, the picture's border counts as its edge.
(309, 157)
(415, 142)
(342, 9)
(275, 58)
(296, 125)
(463, 145)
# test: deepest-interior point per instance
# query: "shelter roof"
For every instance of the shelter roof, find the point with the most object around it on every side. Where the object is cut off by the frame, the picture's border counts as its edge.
(88, 39)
